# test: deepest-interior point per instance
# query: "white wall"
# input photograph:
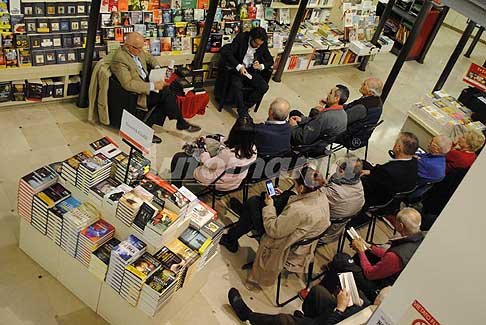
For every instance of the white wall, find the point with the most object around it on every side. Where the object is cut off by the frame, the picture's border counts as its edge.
(448, 272)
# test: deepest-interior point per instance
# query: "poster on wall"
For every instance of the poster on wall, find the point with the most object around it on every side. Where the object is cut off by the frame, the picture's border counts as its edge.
(476, 76)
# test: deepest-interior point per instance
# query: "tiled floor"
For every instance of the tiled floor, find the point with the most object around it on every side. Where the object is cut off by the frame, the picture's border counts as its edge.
(33, 136)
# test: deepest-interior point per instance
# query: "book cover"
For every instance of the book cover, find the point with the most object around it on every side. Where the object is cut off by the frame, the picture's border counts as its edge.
(203, 4)
(165, 44)
(215, 42)
(144, 266)
(163, 220)
(191, 4)
(199, 14)
(170, 260)
(196, 41)
(129, 248)
(103, 253)
(97, 231)
(11, 59)
(161, 280)
(145, 215)
(106, 186)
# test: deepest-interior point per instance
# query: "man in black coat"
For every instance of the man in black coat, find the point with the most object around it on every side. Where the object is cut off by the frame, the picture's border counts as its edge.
(399, 174)
(248, 57)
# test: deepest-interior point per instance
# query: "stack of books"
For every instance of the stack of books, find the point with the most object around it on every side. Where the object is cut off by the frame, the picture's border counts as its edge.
(45, 200)
(130, 203)
(145, 215)
(31, 184)
(55, 218)
(123, 254)
(135, 276)
(91, 238)
(158, 289)
(213, 230)
(105, 146)
(195, 240)
(139, 166)
(70, 166)
(74, 221)
(100, 259)
(98, 192)
(158, 228)
(92, 171)
(200, 214)
(187, 255)
(112, 197)
(163, 191)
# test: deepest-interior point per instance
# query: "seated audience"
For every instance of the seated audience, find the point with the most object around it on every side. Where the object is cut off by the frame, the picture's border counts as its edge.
(463, 153)
(327, 123)
(248, 55)
(319, 307)
(272, 138)
(399, 174)
(367, 109)
(131, 65)
(432, 165)
(381, 267)
(282, 221)
(344, 189)
(238, 150)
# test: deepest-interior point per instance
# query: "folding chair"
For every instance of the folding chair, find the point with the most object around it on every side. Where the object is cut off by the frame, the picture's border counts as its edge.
(356, 140)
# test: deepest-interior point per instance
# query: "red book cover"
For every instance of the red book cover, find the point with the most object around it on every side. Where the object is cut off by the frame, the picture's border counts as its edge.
(122, 5)
(203, 4)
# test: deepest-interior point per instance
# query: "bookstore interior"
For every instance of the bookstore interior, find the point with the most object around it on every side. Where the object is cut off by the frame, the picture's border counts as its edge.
(101, 217)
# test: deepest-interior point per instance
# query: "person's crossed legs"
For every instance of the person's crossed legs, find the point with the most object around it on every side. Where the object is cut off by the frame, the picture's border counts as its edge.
(258, 85)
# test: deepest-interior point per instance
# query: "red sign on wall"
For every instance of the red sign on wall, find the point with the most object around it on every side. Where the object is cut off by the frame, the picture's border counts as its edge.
(476, 77)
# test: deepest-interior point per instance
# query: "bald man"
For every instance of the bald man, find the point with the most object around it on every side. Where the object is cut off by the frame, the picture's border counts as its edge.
(358, 116)
(272, 138)
(381, 267)
(131, 65)
(432, 165)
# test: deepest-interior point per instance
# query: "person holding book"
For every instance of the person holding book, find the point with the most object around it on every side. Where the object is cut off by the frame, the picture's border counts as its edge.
(281, 221)
(248, 57)
(237, 150)
(131, 66)
(380, 267)
(325, 121)
(320, 307)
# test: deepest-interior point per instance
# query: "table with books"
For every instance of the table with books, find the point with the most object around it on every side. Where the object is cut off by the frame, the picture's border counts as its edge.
(438, 113)
(126, 249)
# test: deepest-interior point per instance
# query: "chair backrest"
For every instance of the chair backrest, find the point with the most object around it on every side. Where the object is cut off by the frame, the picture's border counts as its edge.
(360, 137)
(232, 171)
(307, 241)
(392, 204)
(419, 192)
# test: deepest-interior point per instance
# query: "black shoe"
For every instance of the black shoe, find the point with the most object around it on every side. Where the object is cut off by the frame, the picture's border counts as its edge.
(188, 127)
(156, 139)
(236, 206)
(230, 245)
(241, 309)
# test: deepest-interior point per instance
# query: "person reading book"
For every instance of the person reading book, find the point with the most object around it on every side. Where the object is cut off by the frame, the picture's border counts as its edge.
(380, 267)
(131, 65)
(319, 307)
(248, 57)
(281, 221)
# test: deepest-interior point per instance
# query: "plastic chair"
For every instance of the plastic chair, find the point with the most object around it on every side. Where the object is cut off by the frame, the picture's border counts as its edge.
(356, 140)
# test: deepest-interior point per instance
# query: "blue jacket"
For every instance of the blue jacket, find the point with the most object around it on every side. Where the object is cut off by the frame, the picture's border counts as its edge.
(272, 139)
(431, 168)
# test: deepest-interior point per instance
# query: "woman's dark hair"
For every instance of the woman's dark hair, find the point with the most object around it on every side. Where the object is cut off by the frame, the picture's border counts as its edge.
(259, 33)
(242, 138)
(310, 178)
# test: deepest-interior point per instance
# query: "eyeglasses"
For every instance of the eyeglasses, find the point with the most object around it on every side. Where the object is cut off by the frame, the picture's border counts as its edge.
(134, 47)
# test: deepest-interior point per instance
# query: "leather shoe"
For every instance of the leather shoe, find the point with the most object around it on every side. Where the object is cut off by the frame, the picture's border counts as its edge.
(239, 306)
(230, 245)
(236, 206)
(188, 127)
(156, 139)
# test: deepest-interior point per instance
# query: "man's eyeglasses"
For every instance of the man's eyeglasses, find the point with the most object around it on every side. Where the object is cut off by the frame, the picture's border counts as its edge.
(134, 47)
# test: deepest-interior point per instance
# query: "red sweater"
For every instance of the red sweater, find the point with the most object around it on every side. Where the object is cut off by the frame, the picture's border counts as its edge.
(389, 264)
(459, 159)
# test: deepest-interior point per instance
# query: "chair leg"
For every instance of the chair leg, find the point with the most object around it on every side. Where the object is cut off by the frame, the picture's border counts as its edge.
(309, 274)
(213, 200)
(277, 180)
(257, 105)
(279, 279)
(366, 152)
(328, 164)
(370, 226)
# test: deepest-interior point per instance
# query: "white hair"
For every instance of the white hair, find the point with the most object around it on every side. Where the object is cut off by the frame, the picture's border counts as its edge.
(280, 109)
(375, 86)
(411, 219)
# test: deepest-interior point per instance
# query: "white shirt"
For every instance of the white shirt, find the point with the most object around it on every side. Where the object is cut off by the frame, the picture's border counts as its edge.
(249, 57)
(141, 70)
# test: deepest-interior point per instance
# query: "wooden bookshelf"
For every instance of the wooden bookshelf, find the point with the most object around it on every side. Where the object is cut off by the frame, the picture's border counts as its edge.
(279, 5)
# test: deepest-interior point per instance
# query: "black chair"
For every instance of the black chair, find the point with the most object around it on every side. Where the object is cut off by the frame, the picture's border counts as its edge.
(211, 188)
(222, 87)
(310, 269)
(120, 99)
(419, 194)
(356, 140)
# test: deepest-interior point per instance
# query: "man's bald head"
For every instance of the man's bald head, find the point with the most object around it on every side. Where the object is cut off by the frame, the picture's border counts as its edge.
(372, 87)
(440, 145)
(134, 43)
(410, 219)
(279, 110)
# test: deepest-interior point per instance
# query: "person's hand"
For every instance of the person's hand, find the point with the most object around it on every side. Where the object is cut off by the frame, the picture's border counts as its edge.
(365, 172)
(294, 120)
(342, 300)
(358, 245)
(257, 65)
(278, 191)
(159, 85)
(268, 200)
(243, 71)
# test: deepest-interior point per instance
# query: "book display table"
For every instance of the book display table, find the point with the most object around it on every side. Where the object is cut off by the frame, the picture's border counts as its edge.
(438, 113)
(47, 245)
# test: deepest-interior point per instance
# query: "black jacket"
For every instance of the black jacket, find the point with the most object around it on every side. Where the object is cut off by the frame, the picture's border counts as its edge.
(358, 117)
(385, 180)
(272, 139)
(232, 54)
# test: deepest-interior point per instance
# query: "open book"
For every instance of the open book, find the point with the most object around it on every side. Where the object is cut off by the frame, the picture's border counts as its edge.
(348, 284)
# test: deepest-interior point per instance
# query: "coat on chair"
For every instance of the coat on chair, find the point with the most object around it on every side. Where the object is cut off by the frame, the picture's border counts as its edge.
(304, 216)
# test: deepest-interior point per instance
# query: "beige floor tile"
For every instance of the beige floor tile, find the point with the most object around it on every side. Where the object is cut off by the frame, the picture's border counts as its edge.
(79, 132)
(32, 115)
(43, 136)
(13, 141)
